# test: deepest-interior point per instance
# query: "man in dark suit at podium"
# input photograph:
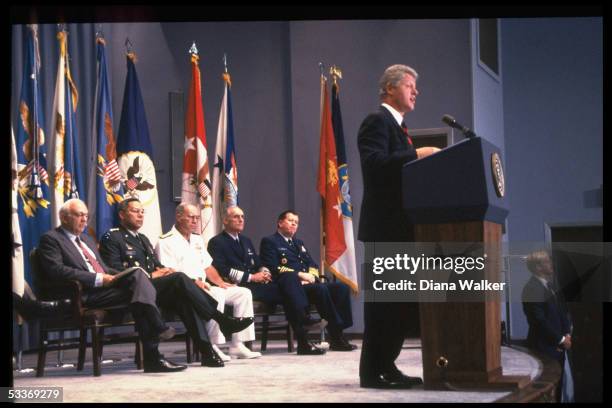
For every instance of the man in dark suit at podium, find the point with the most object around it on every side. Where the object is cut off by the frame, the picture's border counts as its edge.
(384, 147)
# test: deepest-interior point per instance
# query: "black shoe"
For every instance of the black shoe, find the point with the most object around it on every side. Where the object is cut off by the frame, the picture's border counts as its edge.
(35, 309)
(383, 381)
(161, 365)
(341, 344)
(167, 334)
(210, 358)
(400, 377)
(229, 325)
(309, 349)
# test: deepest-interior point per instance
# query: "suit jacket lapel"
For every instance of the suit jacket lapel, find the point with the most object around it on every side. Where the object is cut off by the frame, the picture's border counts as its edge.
(132, 240)
(76, 255)
(399, 133)
(238, 249)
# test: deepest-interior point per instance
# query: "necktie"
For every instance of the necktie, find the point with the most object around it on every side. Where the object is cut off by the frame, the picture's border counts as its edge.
(405, 130)
(90, 258)
(291, 243)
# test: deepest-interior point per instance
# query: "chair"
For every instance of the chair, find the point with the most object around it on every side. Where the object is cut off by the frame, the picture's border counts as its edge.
(264, 311)
(79, 318)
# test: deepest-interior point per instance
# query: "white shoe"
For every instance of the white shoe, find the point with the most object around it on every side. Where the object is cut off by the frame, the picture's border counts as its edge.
(241, 351)
(221, 354)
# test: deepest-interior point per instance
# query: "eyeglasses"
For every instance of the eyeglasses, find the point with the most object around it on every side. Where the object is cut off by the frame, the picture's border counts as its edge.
(193, 217)
(79, 214)
(137, 210)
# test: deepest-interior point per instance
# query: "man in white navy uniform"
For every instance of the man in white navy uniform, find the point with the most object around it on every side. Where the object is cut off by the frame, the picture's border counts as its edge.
(184, 250)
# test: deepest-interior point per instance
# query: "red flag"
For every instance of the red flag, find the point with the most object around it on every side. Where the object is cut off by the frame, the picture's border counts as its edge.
(328, 185)
(196, 178)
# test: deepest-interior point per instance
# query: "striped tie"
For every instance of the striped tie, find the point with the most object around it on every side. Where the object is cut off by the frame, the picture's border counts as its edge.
(90, 258)
(405, 130)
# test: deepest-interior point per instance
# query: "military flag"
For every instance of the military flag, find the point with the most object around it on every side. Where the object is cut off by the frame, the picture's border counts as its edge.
(197, 189)
(33, 179)
(337, 254)
(225, 171)
(135, 153)
(105, 188)
(66, 180)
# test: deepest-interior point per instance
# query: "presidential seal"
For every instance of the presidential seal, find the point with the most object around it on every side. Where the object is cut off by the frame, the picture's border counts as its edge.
(498, 174)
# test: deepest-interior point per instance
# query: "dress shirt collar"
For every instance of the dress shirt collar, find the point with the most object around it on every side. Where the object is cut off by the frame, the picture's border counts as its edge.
(397, 115)
(286, 238)
(543, 281)
(233, 236)
(70, 235)
(134, 233)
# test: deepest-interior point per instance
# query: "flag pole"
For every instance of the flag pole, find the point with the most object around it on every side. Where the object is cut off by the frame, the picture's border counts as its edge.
(321, 221)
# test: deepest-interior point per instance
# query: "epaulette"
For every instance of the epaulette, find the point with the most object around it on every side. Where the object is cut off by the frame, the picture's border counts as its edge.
(166, 235)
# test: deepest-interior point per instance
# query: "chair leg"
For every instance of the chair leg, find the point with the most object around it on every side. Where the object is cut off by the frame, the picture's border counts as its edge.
(42, 353)
(289, 339)
(188, 347)
(101, 342)
(82, 349)
(138, 358)
(265, 325)
(95, 350)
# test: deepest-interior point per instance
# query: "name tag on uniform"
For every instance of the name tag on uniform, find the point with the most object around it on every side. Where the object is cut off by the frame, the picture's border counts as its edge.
(130, 252)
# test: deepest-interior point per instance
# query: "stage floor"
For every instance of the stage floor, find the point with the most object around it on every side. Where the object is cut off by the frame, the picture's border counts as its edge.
(275, 377)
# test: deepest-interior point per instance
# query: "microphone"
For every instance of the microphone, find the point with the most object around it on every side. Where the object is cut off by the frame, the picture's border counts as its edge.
(450, 121)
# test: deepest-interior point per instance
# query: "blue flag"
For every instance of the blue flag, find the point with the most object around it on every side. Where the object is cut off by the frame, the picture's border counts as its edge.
(105, 189)
(135, 154)
(225, 172)
(33, 188)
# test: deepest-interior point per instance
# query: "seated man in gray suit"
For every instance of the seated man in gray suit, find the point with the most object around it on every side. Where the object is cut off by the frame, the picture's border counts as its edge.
(67, 254)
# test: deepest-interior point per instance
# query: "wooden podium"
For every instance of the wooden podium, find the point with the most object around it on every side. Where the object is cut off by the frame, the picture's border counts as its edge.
(457, 195)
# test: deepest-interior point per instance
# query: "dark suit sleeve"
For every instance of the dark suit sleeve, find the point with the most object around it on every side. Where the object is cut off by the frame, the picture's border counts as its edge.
(151, 251)
(220, 261)
(373, 140)
(539, 314)
(306, 256)
(110, 250)
(536, 316)
(53, 264)
(269, 255)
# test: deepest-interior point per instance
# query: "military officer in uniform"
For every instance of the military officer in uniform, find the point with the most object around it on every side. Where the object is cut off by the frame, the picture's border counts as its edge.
(124, 247)
(237, 261)
(184, 250)
(286, 255)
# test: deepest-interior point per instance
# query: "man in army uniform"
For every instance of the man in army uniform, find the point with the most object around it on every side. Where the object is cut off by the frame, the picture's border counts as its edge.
(182, 249)
(124, 247)
(286, 256)
(237, 261)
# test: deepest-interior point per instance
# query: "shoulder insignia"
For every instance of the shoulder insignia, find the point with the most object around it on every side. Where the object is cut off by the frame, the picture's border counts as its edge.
(113, 229)
(166, 235)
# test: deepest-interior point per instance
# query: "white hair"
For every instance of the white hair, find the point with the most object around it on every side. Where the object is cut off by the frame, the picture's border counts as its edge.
(67, 204)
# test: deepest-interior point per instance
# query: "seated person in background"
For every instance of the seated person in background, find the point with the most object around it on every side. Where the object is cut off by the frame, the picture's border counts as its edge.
(286, 255)
(68, 254)
(237, 261)
(184, 250)
(549, 322)
(125, 247)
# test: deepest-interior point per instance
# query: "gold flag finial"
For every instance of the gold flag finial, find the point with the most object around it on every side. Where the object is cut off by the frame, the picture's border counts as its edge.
(336, 74)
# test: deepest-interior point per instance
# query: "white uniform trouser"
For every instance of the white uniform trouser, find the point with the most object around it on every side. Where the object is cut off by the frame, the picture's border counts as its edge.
(241, 301)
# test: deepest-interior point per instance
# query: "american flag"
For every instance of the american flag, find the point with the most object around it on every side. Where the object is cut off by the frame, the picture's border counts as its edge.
(111, 172)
